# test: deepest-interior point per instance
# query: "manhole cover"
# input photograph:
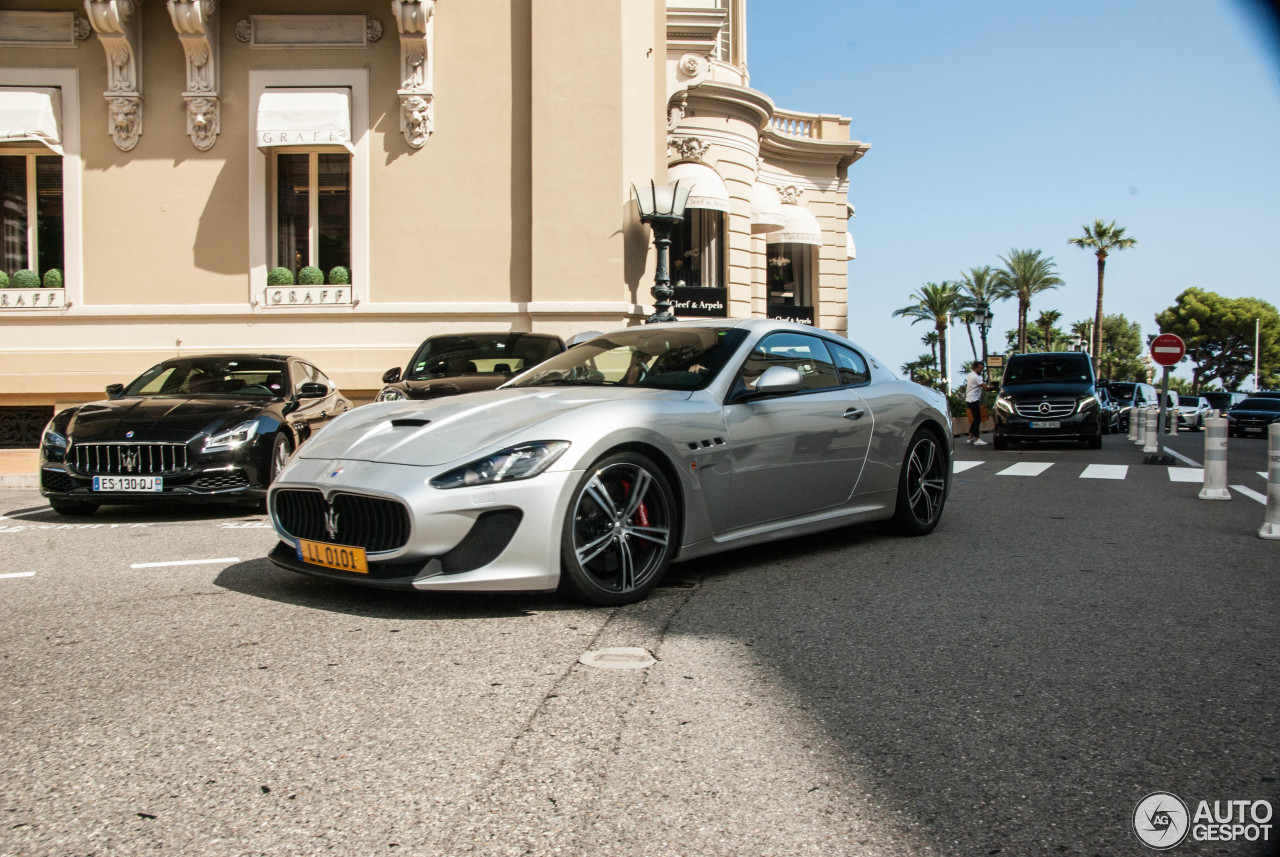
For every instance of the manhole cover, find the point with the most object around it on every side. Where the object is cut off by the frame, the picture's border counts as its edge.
(619, 658)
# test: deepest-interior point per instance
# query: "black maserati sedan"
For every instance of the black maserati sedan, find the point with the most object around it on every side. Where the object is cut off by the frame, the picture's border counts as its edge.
(210, 428)
(449, 364)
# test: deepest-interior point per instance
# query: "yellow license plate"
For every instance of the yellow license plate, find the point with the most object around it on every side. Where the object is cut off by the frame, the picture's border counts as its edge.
(341, 557)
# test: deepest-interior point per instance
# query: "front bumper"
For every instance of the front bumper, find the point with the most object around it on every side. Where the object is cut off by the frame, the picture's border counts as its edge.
(1082, 426)
(215, 485)
(487, 538)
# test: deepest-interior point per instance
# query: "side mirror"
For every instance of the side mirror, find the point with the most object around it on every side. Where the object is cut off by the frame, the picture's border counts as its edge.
(312, 390)
(115, 391)
(779, 379)
(391, 376)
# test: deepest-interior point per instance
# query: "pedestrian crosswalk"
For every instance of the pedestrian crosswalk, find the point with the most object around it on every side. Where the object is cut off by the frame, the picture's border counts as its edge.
(1089, 471)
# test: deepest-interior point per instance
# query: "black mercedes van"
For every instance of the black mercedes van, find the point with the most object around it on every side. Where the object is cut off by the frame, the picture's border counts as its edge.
(1048, 396)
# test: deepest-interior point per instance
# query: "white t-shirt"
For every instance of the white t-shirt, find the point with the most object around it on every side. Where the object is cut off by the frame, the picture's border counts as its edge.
(972, 387)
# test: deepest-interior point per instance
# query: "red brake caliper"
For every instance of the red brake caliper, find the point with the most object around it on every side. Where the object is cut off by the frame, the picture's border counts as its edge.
(642, 513)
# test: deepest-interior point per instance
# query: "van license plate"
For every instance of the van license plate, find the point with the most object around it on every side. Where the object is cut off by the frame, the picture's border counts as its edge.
(1046, 424)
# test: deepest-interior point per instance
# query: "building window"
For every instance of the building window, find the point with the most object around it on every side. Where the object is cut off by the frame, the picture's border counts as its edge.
(791, 268)
(313, 210)
(31, 214)
(697, 249)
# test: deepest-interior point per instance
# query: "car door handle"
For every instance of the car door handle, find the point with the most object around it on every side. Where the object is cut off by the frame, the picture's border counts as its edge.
(853, 413)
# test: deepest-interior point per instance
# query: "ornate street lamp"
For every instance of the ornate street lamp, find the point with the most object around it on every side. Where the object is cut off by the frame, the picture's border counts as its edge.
(662, 207)
(982, 316)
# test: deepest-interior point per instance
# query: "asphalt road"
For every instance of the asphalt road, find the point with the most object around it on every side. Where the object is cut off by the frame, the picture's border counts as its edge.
(1013, 684)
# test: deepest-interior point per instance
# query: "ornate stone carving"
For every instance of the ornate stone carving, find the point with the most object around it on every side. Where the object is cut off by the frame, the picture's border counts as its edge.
(244, 30)
(197, 24)
(82, 29)
(688, 148)
(413, 20)
(790, 194)
(118, 29)
(374, 29)
(675, 112)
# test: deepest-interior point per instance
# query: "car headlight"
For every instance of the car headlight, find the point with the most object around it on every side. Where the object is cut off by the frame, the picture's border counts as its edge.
(232, 438)
(1003, 403)
(506, 465)
(389, 394)
(1086, 402)
(53, 442)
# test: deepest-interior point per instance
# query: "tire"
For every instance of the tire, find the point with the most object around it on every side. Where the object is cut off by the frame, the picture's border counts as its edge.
(1094, 442)
(922, 485)
(281, 450)
(999, 443)
(71, 507)
(619, 532)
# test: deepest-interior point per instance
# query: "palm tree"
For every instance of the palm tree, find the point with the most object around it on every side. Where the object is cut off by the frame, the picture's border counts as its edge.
(1103, 239)
(931, 339)
(979, 287)
(1025, 274)
(935, 302)
(1047, 319)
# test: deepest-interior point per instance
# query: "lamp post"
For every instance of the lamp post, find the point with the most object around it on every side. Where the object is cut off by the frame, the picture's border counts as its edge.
(982, 315)
(662, 207)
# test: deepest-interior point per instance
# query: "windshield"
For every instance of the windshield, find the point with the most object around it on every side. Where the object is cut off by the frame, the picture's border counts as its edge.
(1044, 368)
(1258, 405)
(1189, 402)
(1219, 400)
(664, 359)
(497, 353)
(208, 376)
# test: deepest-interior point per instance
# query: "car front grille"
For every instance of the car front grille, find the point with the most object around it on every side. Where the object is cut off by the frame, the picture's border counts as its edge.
(376, 524)
(55, 480)
(129, 459)
(222, 481)
(1045, 410)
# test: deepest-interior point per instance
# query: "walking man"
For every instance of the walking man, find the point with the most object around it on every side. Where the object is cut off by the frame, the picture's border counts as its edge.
(973, 388)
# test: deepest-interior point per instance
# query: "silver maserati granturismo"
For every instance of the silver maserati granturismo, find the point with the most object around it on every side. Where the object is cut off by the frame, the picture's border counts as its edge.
(593, 471)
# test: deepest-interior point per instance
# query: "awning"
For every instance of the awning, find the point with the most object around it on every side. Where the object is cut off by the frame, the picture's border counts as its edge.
(766, 209)
(848, 243)
(304, 117)
(31, 114)
(800, 227)
(708, 188)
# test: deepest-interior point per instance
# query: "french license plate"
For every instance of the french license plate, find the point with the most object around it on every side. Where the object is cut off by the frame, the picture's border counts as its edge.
(129, 484)
(341, 557)
(1046, 424)
(1251, 430)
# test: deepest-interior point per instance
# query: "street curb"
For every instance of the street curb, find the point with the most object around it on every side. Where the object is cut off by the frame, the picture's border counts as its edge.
(16, 480)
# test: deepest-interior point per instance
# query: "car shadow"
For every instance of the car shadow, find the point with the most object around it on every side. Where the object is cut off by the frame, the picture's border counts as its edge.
(142, 513)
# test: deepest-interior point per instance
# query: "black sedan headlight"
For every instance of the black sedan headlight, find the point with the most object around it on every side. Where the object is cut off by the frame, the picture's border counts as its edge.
(232, 438)
(506, 465)
(390, 394)
(54, 443)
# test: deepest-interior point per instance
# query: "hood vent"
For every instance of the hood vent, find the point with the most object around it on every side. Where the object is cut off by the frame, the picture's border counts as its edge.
(409, 422)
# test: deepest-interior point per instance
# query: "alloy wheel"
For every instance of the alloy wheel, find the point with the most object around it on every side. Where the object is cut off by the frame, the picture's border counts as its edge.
(622, 527)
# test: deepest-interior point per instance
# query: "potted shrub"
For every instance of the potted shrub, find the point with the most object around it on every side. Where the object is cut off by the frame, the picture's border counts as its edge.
(279, 277)
(339, 276)
(311, 276)
(26, 279)
(53, 279)
(4, 280)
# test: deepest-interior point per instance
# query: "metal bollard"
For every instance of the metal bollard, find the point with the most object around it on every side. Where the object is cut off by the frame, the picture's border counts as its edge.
(1271, 519)
(1172, 415)
(1152, 445)
(1140, 437)
(1133, 424)
(1215, 460)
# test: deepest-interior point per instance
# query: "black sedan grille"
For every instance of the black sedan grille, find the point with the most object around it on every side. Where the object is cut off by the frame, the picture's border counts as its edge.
(373, 523)
(1045, 410)
(55, 480)
(128, 459)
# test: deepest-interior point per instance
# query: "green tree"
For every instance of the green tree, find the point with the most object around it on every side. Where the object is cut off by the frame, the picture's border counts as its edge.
(1122, 358)
(978, 287)
(1219, 333)
(1047, 319)
(1026, 273)
(922, 370)
(934, 302)
(1103, 239)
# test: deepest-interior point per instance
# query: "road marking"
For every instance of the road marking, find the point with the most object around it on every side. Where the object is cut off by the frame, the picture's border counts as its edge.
(1025, 468)
(1186, 474)
(1261, 473)
(1250, 493)
(1105, 471)
(962, 466)
(18, 574)
(225, 559)
(1181, 457)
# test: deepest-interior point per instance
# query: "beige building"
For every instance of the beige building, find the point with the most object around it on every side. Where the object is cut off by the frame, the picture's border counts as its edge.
(189, 176)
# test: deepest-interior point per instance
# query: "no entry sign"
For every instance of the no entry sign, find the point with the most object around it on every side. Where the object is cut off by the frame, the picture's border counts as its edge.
(1167, 349)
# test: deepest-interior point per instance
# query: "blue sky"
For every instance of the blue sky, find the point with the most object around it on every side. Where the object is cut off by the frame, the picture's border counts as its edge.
(1002, 124)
